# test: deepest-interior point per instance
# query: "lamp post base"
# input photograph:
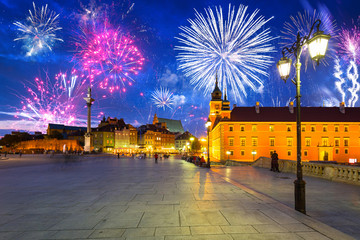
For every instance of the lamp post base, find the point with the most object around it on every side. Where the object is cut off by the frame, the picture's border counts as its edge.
(208, 163)
(300, 195)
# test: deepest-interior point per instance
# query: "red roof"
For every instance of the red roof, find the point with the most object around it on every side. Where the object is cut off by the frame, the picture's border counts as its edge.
(282, 114)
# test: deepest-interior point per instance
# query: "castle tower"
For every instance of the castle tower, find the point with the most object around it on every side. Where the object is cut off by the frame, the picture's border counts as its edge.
(225, 109)
(156, 120)
(215, 103)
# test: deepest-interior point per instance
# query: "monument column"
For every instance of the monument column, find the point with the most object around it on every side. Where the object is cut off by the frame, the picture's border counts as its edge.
(89, 101)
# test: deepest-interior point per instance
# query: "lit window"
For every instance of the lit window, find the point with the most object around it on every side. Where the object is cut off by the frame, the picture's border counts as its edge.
(242, 142)
(325, 142)
(254, 128)
(346, 142)
(307, 142)
(272, 141)
(271, 128)
(231, 142)
(289, 142)
(254, 142)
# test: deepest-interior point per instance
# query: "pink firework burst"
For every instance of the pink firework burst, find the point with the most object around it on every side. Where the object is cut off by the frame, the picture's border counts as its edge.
(110, 57)
(48, 101)
(349, 43)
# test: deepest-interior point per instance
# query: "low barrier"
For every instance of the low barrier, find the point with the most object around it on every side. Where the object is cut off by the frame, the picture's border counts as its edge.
(333, 172)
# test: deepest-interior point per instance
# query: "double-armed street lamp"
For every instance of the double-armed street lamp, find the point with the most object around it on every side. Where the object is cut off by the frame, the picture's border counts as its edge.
(208, 125)
(317, 46)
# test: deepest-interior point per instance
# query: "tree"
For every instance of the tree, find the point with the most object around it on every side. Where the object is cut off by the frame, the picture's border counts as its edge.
(196, 146)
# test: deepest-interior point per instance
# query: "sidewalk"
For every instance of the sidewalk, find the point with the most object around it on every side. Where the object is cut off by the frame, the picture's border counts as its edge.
(333, 203)
(108, 198)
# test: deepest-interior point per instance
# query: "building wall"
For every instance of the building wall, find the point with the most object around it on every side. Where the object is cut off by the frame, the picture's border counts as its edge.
(104, 141)
(49, 144)
(336, 141)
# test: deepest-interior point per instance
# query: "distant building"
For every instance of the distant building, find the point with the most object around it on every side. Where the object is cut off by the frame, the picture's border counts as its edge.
(104, 134)
(247, 133)
(126, 139)
(41, 145)
(155, 138)
(64, 130)
(174, 126)
(183, 143)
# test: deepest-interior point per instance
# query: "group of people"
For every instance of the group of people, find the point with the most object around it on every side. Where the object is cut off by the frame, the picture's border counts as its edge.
(198, 161)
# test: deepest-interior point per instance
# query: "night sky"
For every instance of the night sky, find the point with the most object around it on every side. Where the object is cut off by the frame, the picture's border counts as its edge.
(154, 25)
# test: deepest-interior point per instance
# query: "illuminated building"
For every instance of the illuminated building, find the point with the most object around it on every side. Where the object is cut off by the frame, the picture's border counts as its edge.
(38, 146)
(247, 133)
(104, 134)
(126, 139)
(182, 142)
(156, 138)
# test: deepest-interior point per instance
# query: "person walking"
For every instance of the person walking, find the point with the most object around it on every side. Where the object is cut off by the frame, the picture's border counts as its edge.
(275, 162)
(156, 157)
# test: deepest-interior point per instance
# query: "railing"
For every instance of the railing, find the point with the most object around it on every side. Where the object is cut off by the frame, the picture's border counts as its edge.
(333, 172)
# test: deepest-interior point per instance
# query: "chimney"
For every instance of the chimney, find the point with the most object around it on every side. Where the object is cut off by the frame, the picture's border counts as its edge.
(257, 108)
(291, 107)
(342, 107)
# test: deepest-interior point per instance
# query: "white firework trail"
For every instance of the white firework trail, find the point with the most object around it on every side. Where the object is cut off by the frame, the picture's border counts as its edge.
(352, 74)
(235, 46)
(338, 74)
(163, 98)
(38, 34)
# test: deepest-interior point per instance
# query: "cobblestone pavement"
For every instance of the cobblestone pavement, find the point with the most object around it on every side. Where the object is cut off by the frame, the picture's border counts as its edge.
(109, 198)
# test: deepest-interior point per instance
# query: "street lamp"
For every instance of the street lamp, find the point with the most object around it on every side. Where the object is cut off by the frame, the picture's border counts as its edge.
(208, 125)
(253, 153)
(317, 46)
(228, 154)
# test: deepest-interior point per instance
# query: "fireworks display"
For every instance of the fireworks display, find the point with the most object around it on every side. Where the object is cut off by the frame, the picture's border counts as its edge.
(163, 98)
(235, 47)
(346, 66)
(301, 23)
(109, 55)
(38, 34)
(52, 101)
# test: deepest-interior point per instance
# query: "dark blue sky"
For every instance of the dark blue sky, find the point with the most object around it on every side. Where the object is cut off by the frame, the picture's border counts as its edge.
(154, 25)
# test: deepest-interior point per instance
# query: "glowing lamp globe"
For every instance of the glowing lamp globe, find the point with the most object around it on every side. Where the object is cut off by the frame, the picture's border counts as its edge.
(318, 45)
(208, 123)
(284, 66)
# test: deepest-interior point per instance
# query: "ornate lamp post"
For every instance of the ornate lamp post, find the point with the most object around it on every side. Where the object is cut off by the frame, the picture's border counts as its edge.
(208, 125)
(317, 46)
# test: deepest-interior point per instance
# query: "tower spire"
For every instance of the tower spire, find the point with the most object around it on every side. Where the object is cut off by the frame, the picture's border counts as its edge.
(225, 97)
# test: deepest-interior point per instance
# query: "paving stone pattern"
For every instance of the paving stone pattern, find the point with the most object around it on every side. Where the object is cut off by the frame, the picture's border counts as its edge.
(109, 198)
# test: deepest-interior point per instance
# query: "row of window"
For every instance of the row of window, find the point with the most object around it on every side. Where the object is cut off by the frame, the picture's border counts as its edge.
(289, 152)
(289, 128)
(289, 142)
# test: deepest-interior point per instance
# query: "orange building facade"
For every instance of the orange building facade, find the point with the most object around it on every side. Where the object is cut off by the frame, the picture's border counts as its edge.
(247, 133)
